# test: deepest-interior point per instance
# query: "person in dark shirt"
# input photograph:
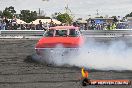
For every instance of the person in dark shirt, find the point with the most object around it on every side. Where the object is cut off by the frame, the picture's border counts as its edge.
(115, 20)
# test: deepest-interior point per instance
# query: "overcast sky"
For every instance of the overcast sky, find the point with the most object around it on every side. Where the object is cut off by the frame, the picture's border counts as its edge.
(80, 8)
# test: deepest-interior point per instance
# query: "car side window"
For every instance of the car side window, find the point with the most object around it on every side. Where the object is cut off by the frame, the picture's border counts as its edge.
(49, 33)
(73, 33)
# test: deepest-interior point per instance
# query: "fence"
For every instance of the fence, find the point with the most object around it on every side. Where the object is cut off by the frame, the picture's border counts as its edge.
(87, 33)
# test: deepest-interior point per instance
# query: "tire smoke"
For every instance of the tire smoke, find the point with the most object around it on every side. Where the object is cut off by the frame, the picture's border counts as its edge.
(115, 55)
(101, 56)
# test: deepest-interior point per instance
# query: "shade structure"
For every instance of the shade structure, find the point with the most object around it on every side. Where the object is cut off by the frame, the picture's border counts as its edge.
(81, 21)
(18, 21)
(45, 20)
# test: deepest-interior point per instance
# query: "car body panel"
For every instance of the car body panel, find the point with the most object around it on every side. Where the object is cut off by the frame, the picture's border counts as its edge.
(68, 39)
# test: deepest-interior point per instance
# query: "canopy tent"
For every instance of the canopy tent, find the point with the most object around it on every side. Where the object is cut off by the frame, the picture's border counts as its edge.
(81, 21)
(18, 21)
(45, 20)
(0, 19)
(99, 21)
(56, 21)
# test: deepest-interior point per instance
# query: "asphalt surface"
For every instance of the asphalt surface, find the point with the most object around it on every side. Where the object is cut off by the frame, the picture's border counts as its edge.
(15, 72)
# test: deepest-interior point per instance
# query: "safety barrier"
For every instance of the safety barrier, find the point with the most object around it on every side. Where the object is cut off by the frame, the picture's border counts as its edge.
(21, 32)
(25, 33)
(119, 32)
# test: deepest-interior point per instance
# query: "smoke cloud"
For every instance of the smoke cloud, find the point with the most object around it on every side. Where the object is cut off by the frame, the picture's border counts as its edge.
(114, 55)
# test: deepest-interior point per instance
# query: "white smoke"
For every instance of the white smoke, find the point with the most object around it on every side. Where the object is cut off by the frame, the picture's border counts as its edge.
(115, 56)
(94, 55)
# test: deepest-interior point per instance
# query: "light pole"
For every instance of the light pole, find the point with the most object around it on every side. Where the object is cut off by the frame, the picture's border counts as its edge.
(67, 7)
(89, 16)
(97, 12)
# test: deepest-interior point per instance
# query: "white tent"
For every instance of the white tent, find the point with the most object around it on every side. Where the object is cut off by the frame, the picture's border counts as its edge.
(0, 19)
(56, 21)
(45, 20)
(82, 21)
(18, 21)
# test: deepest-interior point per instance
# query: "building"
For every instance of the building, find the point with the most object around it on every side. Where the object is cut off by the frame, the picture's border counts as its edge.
(129, 20)
(101, 20)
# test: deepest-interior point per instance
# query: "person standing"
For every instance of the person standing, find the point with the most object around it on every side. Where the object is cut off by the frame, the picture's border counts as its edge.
(0, 25)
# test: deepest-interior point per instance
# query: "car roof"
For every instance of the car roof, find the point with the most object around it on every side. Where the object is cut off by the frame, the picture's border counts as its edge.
(64, 27)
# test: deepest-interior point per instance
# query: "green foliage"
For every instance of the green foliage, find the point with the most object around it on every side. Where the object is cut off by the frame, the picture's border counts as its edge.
(45, 0)
(1, 13)
(99, 17)
(54, 16)
(129, 15)
(9, 12)
(113, 17)
(28, 16)
(10, 9)
(64, 18)
(43, 17)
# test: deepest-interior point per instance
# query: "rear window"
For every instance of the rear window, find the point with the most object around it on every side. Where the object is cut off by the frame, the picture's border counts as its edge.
(62, 33)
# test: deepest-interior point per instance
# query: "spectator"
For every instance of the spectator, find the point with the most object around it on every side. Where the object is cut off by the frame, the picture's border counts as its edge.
(75, 24)
(0, 25)
(115, 20)
(119, 19)
(52, 23)
(124, 19)
(40, 25)
(3, 26)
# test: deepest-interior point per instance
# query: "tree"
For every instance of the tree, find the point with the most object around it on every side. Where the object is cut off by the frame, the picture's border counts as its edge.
(129, 15)
(55, 15)
(45, 0)
(113, 16)
(43, 17)
(99, 17)
(28, 16)
(9, 12)
(64, 18)
(1, 13)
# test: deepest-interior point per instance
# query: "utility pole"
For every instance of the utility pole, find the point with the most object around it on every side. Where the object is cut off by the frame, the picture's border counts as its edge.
(67, 10)
(39, 12)
(97, 12)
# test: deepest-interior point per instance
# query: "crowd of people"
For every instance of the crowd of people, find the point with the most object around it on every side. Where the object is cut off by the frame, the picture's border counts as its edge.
(11, 24)
(6, 24)
(104, 25)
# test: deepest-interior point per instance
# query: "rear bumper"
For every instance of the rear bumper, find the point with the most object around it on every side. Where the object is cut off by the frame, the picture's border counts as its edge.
(44, 51)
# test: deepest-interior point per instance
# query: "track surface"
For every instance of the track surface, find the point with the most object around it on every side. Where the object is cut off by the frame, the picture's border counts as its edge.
(16, 73)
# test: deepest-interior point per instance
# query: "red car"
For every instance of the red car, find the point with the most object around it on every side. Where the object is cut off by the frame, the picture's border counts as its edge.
(59, 37)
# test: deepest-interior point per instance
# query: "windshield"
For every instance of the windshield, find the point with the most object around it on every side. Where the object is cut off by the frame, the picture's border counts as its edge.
(62, 33)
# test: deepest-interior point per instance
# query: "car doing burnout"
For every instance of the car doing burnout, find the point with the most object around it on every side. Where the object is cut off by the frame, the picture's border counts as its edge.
(59, 37)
